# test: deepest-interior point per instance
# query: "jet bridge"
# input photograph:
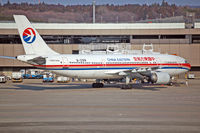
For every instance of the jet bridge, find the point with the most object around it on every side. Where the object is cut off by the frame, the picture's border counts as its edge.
(115, 49)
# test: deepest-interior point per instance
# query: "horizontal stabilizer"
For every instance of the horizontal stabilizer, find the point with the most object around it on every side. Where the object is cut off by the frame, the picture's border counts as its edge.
(37, 61)
(8, 57)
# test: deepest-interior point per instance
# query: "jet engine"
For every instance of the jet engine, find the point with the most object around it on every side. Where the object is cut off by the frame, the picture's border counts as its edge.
(160, 78)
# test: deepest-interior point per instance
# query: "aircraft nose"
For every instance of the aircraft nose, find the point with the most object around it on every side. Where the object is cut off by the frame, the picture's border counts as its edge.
(189, 66)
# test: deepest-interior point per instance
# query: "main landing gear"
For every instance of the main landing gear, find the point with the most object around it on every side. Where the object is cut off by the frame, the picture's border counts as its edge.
(97, 84)
(127, 85)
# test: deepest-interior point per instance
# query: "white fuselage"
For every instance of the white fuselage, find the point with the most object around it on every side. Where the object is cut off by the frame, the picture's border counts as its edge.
(40, 55)
(105, 66)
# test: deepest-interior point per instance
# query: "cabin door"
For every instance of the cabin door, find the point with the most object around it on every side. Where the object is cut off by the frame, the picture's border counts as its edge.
(65, 62)
(103, 63)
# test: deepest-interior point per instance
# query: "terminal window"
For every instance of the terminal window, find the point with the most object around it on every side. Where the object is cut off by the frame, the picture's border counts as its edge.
(158, 37)
(70, 39)
(195, 38)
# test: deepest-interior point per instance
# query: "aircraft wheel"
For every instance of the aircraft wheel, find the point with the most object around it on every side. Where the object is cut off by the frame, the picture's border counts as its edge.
(101, 85)
(94, 85)
(170, 84)
(97, 85)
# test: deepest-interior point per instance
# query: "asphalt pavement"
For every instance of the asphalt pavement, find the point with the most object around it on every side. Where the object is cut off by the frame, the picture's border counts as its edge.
(76, 107)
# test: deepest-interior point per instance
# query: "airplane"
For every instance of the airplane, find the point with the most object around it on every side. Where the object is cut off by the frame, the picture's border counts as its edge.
(156, 68)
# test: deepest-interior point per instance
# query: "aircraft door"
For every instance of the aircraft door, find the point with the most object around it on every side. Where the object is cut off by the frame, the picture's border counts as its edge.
(178, 61)
(103, 62)
(159, 62)
(65, 62)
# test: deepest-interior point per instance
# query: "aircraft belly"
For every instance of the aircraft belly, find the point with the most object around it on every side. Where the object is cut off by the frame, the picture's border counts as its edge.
(87, 74)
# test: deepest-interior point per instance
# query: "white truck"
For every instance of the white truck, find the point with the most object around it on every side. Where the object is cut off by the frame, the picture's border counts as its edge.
(3, 79)
(17, 77)
(62, 79)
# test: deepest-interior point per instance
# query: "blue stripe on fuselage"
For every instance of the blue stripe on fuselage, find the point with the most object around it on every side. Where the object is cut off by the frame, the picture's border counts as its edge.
(110, 68)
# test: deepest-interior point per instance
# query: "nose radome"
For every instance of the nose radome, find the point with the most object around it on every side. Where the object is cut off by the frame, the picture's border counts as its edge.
(189, 65)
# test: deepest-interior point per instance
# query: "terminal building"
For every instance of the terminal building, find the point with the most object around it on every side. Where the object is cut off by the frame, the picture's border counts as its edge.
(67, 38)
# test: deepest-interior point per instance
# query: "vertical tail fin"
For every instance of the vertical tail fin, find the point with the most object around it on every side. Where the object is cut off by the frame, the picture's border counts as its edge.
(31, 40)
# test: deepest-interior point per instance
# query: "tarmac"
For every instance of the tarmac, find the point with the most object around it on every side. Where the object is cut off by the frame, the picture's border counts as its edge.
(36, 107)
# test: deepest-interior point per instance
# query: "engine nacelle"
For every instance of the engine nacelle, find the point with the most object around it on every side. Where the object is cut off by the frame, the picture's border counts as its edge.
(160, 78)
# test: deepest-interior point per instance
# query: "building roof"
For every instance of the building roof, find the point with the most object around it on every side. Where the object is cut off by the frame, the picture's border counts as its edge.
(108, 26)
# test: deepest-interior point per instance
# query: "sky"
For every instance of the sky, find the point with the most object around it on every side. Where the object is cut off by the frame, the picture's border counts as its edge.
(115, 2)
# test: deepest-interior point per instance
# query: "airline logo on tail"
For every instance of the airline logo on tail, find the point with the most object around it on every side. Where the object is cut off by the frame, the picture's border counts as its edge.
(29, 35)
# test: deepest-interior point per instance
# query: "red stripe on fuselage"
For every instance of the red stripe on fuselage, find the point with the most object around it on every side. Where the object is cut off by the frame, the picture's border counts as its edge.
(134, 65)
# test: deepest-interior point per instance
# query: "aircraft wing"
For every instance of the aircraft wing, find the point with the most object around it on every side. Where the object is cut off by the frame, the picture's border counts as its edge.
(133, 72)
(8, 57)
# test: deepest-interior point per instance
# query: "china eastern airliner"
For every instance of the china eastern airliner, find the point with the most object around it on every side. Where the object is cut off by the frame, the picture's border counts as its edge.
(156, 68)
